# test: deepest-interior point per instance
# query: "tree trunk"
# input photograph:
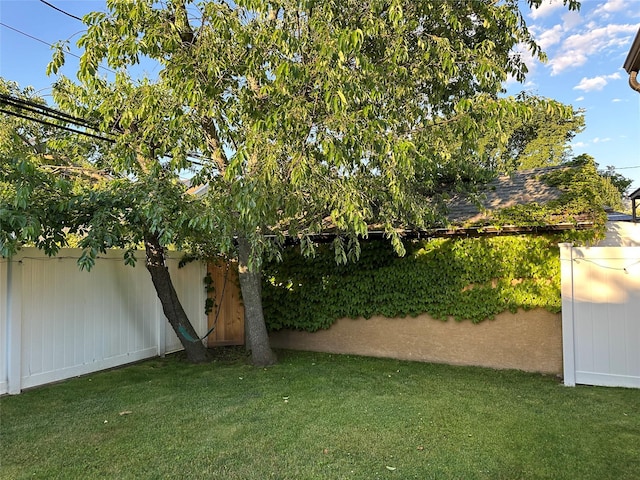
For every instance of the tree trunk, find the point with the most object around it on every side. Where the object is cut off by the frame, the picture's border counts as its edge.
(171, 306)
(250, 284)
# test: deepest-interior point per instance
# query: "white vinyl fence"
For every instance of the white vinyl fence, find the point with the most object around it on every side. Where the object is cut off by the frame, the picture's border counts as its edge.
(4, 307)
(57, 322)
(601, 315)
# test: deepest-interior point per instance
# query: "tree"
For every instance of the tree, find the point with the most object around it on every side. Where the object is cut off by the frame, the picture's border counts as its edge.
(538, 139)
(303, 112)
(36, 190)
(542, 139)
(56, 182)
(604, 189)
(621, 182)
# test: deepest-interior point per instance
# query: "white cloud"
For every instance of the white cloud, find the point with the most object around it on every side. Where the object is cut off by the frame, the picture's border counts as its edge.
(550, 37)
(616, 100)
(529, 86)
(579, 99)
(610, 6)
(547, 37)
(601, 140)
(546, 8)
(579, 144)
(566, 61)
(571, 20)
(595, 83)
(591, 84)
(576, 50)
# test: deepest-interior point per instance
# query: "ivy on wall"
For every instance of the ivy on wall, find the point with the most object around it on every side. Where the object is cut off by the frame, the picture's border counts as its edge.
(465, 278)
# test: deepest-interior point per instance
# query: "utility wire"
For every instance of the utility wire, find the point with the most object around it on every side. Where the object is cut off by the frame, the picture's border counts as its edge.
(87, 134)
(80, 122)
(38, 109)
(55, 125)
(60, 10)
(48, 44)
(34, 38)
(44, 110)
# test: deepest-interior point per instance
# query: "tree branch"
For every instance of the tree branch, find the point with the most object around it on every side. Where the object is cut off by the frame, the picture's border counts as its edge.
(89, 172)
(213, 142)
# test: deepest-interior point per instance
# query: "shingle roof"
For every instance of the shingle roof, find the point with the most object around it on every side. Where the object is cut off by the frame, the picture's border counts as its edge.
(467, 213)
(520, 188)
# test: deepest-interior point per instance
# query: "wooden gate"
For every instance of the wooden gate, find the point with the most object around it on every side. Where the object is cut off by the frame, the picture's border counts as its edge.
(601, 315)
(228, 312)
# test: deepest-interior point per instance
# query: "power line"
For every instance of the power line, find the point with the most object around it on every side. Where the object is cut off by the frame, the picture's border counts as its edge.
(44, 110)
(626, 168)
(60, 10)
(47, 43)
(55, 125)
(26, 35)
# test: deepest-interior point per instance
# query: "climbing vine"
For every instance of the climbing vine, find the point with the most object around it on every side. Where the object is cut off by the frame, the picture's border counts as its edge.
(584, 193)
(465, 278)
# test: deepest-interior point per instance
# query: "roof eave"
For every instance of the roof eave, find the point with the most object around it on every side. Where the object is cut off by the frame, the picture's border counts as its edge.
(632, 63)
(635, 195)
(456, 232)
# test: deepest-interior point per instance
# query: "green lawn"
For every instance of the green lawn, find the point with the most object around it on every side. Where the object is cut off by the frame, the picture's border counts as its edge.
(318, 416)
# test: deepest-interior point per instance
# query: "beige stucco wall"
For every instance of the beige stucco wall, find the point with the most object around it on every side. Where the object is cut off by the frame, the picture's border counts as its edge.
(530, 341)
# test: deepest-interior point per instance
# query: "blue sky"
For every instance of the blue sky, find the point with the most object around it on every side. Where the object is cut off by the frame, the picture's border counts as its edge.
(585, 49)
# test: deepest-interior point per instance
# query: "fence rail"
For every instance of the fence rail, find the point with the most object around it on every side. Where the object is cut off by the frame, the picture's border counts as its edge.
(57, 322)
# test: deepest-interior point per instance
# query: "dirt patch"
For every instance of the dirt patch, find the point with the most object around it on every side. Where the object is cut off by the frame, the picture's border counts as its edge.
(228, 354)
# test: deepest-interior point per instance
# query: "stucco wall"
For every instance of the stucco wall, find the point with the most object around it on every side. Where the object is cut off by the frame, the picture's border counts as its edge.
(529, 341)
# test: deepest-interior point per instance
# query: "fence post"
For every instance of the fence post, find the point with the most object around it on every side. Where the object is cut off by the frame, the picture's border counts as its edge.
(14, 326)
(568, 334)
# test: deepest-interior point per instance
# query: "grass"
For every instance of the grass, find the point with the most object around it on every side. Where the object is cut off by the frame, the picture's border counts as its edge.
(318, 416)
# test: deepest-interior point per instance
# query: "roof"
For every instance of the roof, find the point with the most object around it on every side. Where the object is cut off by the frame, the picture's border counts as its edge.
(635, 195)
(471, 215)
(520, 188)
(632, 63)
(619, 217)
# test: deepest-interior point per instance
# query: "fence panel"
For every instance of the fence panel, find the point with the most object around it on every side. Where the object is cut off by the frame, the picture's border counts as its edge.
(64, 322)
(601, 325)
(4, 297)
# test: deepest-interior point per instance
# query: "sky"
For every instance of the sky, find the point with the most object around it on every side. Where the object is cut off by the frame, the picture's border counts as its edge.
(585, 53)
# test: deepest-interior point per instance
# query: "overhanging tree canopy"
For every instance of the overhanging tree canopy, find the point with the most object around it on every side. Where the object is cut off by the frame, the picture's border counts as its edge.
(39, 164)
(356, 111)
(59, 180)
